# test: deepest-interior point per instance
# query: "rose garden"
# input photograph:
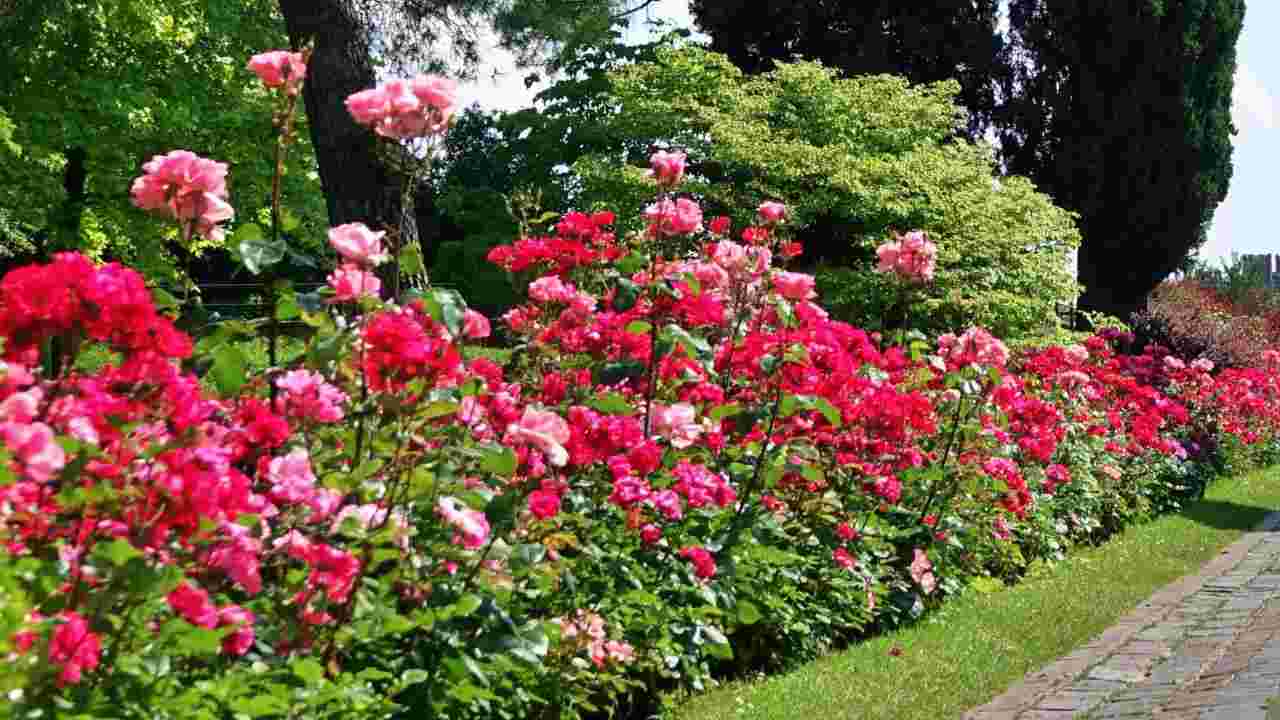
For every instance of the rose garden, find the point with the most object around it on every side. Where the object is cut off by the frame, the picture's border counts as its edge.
(669, 464)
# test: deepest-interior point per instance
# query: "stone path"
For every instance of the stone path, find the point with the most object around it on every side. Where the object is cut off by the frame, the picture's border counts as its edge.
(1206, 647)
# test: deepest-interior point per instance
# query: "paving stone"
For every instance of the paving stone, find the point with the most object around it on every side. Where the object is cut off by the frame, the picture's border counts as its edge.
(1206, 647)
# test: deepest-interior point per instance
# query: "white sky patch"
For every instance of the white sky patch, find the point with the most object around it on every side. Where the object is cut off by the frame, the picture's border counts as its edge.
(1253, 107)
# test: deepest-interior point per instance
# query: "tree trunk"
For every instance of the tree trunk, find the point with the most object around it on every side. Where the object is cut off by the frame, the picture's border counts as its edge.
(359, 185)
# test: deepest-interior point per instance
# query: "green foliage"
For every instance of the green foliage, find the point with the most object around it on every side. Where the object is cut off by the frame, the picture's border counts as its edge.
(123, 80)
(1130, 128)
(855, 158)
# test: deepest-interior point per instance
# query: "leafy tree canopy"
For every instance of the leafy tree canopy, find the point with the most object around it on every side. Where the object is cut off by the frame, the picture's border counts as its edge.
(854, 158)
(115, 82)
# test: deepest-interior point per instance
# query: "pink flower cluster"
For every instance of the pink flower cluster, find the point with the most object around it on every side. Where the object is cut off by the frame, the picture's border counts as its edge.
(911, 257)
(360, 249)
(585, 631)
(280, 69)
(188, 188)
(404, 109)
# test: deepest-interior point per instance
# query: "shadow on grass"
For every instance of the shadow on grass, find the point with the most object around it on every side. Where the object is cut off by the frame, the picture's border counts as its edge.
(1226, 515)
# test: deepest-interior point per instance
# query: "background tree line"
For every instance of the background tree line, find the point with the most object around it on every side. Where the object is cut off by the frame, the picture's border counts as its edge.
(1118, 111)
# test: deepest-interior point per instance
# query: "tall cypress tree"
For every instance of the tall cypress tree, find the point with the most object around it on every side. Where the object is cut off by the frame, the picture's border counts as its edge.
(1121, 111)
(923, 41)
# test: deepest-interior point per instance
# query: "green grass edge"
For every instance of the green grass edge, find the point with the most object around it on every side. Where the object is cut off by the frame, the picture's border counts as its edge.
(977, 645)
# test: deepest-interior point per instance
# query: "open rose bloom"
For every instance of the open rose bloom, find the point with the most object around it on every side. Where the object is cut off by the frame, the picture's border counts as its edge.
(187, 187)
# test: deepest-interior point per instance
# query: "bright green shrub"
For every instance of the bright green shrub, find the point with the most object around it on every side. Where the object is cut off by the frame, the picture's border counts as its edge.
(855, 158)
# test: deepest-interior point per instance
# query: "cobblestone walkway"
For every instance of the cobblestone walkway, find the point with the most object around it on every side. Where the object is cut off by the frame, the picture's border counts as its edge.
(1205, 647)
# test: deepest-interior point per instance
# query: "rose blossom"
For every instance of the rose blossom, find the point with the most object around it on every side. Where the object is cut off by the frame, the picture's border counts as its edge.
(681, 217)
(772, 213)
(350, 284)
(546, 431)
(357, 243)
(794, 286)
(667, 167)
(279, 68)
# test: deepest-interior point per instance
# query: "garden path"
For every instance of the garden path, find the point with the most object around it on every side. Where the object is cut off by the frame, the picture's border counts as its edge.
(1205, 647)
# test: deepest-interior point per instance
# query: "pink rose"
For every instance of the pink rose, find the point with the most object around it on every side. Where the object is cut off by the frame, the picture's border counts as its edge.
(911, 257)
(546, 431)
(357, 243)
(922, 571)
(194, 605)
(188, 188)
(472, 525)
(279, 68)
(668, 168)
(772, 213)
(681, 217)
(794, 286)
(74, 647)
(36, 448)
(544, 504)
(240, 639)
(350, 283)
(474, 325)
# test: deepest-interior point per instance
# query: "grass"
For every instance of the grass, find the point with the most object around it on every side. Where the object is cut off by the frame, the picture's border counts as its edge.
(972, 649)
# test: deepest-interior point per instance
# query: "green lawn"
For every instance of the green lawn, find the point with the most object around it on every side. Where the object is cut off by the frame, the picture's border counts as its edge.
(972, 649)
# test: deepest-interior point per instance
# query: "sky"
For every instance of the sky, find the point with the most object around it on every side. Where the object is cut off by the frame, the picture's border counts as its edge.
(1241, 223)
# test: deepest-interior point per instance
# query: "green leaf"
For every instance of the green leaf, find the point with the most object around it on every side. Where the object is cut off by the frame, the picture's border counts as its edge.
(612, 403)
(258, 255)
(466, 605)
(499, 460)
(308, 670)
(446, 306)
(625, 297)
(748, 613)
(439, 409)
(230, 369)
(721, 412)
(118, 552)
(411, 260)
(639, 327)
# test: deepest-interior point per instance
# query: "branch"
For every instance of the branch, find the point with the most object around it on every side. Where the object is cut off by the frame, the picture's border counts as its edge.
(632, 11)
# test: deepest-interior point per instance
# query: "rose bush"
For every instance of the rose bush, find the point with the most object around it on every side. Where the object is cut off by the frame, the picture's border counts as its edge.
(687, 468)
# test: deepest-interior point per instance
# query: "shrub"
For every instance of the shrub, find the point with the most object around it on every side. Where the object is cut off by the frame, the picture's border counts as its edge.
(856, 158)
(685, 469)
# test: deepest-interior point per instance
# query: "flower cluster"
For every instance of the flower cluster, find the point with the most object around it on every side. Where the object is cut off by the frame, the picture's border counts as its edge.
(402, 109)
(911, 257)
(188, 188)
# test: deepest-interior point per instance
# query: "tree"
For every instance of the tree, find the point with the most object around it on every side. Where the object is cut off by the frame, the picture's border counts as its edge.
(364, 179)
(854, 159)
(93, 88)
(1121, 111)
(922, 41)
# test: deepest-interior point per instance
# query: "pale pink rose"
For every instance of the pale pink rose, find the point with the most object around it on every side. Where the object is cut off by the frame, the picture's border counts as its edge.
(291, 477)
(474, 325)
(1172, 364)
(794, 286)
(911, 257)
(550, 288)
(357, 243)
(1077, 353)
(401, 109)
(21, 407)
(1202, 365)
(922, 572)
(36, 449)
(730, 255)
(546, 431)
(676, 423)
(772, 213)
(667, 168)
(350, 284)
(472, 526)
(681, 217)
(279, 68)
(188, 188)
